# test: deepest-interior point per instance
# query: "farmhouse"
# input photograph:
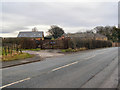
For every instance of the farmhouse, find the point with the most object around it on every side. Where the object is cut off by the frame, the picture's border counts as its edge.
(38, 35)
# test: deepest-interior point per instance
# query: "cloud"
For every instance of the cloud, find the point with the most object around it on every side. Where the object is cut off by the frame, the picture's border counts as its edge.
(60, 1)
(71, 16)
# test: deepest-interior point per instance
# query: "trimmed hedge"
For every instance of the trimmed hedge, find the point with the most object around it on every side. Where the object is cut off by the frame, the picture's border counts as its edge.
(89, 44)
(30, 43)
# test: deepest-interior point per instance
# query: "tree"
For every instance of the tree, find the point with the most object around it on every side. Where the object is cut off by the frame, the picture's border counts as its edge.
(34, 29)
(111, 32)
(56, 31)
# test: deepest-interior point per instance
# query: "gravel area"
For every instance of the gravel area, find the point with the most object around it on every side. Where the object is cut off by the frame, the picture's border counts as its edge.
(45, 53)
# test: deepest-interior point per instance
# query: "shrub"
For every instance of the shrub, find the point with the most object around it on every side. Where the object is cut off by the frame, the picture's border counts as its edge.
(89, 44)
(27, 43)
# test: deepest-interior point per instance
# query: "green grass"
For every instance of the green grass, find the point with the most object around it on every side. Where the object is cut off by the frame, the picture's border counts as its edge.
(3, 51)
(37, 49)
(17, 57)
(72, 50)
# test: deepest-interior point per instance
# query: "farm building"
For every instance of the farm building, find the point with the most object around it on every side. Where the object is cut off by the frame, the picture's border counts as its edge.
(85, 36)
(39, 35)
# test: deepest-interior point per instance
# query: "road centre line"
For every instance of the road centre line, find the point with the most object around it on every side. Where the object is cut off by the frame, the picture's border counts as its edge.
(95, 55)
(74, 62)
(64, 66)
(14, 83)
(90, 57)
(101, 53)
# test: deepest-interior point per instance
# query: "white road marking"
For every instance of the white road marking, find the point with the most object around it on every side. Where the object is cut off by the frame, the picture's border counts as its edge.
(101, 53)
(76, 62)
(90, 57)
(64, 66)
(14, 83)
(95, 55)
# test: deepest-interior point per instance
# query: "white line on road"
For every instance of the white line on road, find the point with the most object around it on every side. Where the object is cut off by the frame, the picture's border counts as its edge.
(90, 57)
(101, 53)
(14, 83)
(64, 66)
(76, 62)
(95, 55)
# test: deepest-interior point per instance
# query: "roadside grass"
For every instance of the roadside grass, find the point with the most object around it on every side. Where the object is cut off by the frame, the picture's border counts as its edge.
(4, 53)
(37, 49)
(73, 50)
(17, 57)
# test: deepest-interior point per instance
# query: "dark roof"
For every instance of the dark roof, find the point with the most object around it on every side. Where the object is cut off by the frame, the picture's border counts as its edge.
(31, 34)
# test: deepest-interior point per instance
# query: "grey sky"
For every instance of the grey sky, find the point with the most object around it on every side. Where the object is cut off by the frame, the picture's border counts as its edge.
(71, 16)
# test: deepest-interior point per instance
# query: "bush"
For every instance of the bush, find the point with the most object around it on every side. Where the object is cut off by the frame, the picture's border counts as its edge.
(27, 43)
(89, 44)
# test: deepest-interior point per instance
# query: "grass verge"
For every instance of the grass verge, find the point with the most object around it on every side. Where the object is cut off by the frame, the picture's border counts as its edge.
(37, 49)
(72, 50)
(17, 57)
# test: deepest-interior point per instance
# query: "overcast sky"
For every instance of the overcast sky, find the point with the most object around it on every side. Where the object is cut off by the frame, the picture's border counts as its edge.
(71, 16)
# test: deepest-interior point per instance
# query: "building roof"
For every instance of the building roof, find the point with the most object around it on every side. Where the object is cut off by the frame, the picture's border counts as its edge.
(100, 35)
(85, 35)
(31, 34)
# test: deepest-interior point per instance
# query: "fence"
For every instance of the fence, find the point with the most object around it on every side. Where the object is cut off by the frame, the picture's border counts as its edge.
(53, 44)
(115, 44)
(10, 49)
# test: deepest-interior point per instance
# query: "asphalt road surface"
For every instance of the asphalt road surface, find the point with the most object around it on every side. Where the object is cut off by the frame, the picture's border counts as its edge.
(86, 69)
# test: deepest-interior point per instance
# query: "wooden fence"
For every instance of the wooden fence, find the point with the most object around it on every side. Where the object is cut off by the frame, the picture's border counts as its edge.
(53, 44)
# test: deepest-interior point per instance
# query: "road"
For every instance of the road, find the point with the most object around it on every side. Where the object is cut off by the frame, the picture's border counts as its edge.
(86, 69)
